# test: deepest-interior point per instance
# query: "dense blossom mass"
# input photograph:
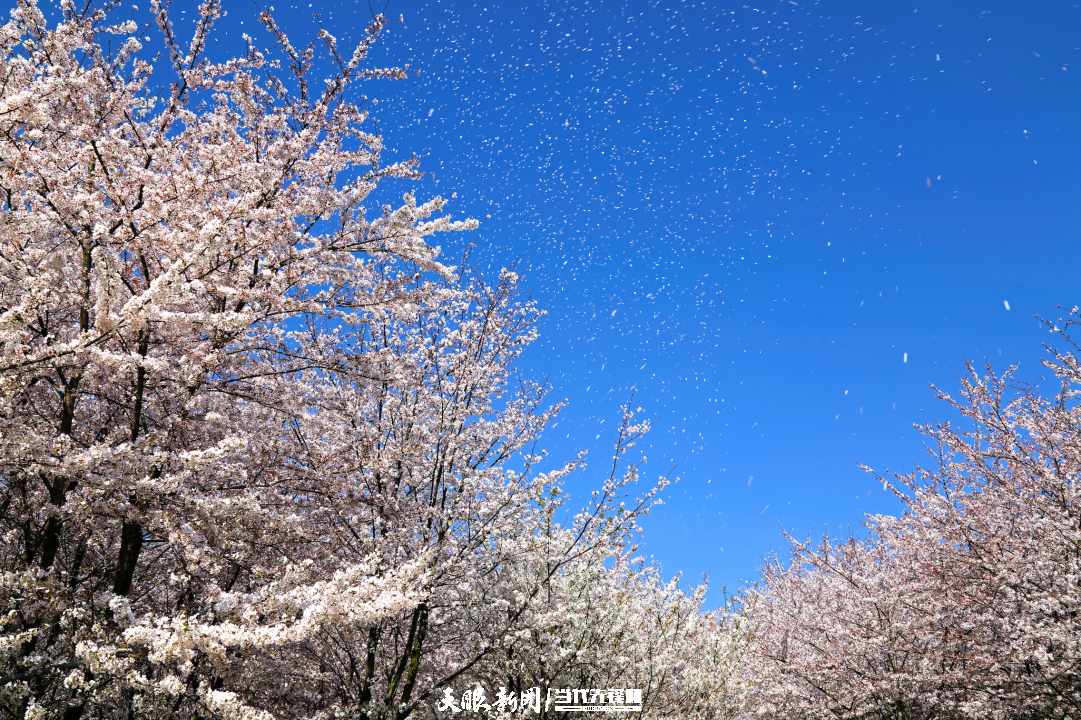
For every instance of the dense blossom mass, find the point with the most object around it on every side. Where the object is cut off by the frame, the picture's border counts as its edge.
(965, 606)
(262, 452)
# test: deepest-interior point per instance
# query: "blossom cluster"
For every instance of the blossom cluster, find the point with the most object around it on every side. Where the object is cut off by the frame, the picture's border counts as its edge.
(964, 606)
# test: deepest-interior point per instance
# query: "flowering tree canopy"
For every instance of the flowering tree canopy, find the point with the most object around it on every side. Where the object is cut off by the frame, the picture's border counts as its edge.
(262, 453)
(157, 515)
(965, 606)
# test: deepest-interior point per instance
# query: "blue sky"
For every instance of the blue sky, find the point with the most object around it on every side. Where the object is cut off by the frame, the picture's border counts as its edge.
(777, 222)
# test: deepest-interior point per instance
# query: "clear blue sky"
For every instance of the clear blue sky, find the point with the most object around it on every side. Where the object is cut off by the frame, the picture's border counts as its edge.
(751, 213)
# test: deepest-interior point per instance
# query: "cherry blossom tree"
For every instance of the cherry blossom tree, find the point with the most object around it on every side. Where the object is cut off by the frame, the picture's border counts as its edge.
(845, 630)
(964, 606)
(604, 619)
(439, 464)
(262, 455)
(618, 625)
(152, 247)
